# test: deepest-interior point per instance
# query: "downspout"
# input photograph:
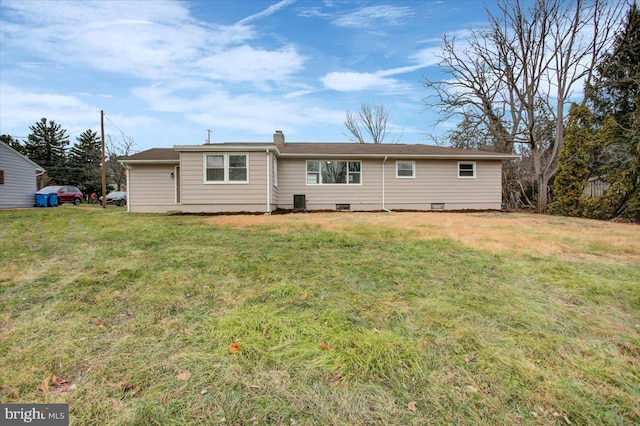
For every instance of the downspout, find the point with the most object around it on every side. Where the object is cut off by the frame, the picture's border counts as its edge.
(126, 168)
(383, 207)
(268, 183)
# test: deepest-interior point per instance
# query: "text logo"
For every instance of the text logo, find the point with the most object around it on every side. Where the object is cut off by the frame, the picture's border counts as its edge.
(34, 414)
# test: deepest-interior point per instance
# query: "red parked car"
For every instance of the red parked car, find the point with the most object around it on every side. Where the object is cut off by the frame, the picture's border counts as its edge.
(66, 194)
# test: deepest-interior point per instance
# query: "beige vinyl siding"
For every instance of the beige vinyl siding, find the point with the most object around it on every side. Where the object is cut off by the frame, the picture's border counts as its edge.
(196, 195)
(220, 208)
(292, 180)
(151, 188)
(436, 181)
(19, 185)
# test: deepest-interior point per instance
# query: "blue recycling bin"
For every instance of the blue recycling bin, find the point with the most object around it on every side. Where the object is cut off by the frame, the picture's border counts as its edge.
(42, 200)
(53, 200)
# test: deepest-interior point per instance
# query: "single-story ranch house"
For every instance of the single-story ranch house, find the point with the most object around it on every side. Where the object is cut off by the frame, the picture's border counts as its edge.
(263, 177)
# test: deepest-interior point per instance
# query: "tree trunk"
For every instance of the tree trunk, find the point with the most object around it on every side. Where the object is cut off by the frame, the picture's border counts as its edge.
(543, 183)
(543, 193)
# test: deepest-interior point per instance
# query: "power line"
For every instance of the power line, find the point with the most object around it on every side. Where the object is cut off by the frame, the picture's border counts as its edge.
(14, 136)
(114, 125)
(84, 129)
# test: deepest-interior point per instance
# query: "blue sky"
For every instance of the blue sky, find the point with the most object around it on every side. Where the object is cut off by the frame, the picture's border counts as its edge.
(165, 72)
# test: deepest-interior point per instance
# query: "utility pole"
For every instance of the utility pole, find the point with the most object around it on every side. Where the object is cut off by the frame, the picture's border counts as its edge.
(104, 184)
(208, 136)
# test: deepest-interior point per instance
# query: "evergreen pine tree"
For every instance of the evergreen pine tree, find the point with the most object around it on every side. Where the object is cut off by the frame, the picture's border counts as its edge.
(13, 143)
(84, 162)
(616, 95)
(573, 163)
(47, 145)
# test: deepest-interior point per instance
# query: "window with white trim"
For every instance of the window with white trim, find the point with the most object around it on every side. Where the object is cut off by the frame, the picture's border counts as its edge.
(405, 169)
(226, 168)
(467, 169)
(334, 172)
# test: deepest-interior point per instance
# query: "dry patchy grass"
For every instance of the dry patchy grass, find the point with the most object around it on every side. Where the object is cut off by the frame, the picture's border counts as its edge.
(518, 234)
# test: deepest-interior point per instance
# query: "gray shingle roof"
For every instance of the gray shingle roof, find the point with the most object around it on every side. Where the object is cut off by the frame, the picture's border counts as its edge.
(153, 154)
(376, 149)
(301, 149)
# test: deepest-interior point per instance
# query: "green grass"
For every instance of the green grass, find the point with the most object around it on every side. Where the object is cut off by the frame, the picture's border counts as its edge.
(335, 327)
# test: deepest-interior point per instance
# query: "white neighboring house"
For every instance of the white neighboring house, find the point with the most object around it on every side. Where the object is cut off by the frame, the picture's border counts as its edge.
(17, 179)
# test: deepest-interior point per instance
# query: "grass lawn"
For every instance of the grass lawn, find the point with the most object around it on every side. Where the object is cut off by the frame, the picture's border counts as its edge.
(328, 318)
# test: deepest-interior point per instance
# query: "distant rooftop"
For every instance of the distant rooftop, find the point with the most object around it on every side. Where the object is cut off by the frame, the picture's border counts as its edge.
(153, 154)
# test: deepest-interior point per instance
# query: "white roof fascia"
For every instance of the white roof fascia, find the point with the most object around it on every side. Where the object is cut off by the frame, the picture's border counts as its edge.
(224, 148)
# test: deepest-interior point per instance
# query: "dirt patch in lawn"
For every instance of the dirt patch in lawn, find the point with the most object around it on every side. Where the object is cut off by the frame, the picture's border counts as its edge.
(518, 233)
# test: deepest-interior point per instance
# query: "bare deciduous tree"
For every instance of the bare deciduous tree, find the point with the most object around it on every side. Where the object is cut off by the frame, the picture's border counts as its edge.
(526, 61)
(115, 170)
(368, 121)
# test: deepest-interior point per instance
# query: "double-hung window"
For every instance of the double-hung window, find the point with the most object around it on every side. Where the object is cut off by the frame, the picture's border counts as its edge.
(405, 169)
(226, 168)
(467, 169)
(329, 172)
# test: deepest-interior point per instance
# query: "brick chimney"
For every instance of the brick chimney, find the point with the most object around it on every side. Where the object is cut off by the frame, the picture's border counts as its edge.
(278, 137)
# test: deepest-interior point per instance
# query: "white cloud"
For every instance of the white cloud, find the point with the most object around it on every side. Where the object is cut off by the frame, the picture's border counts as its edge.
(356, 81)
(22, 108)
(18, 106)
(246, 63)
(346, 81)
(215, 107)
(76, 12)
(194, 73)
(313, 12)
(299, 93)
(268, 11)
(426, 57)
(157, 40)
(126, 122)
(373, 16)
